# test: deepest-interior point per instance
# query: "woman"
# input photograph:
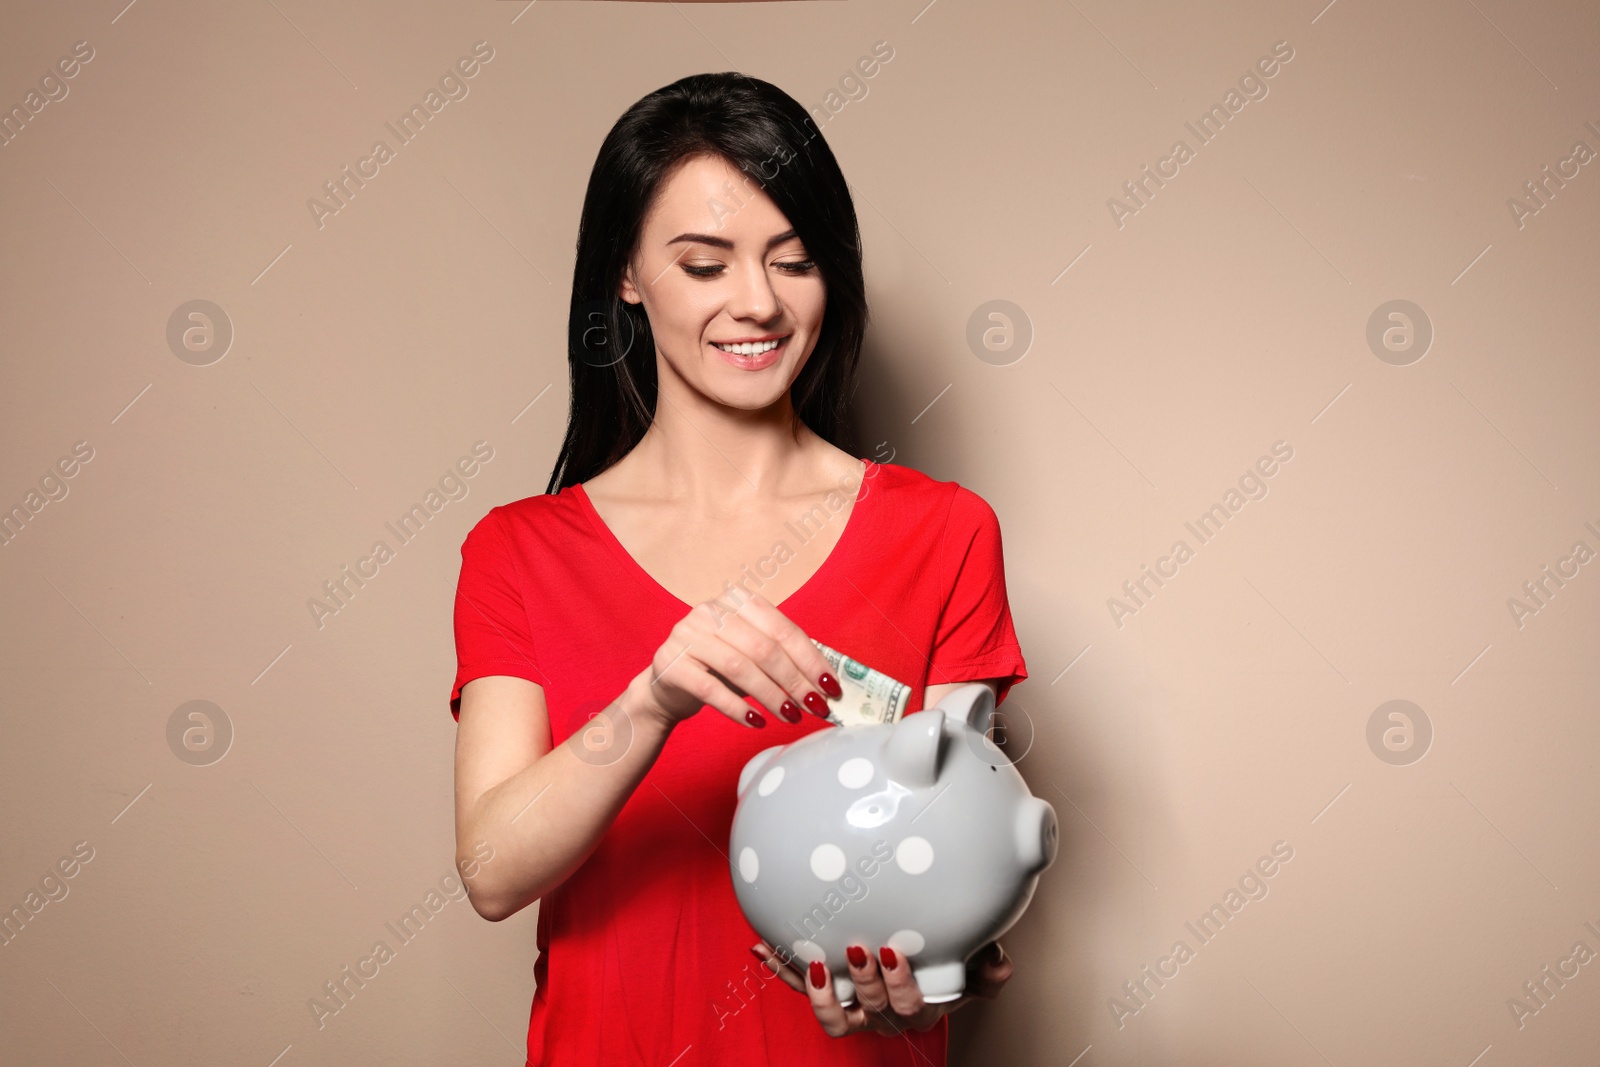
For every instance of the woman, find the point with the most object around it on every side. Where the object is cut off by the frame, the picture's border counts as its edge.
(627, 640)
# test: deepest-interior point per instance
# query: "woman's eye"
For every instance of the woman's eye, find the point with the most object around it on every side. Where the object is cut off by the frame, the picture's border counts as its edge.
(803, 266)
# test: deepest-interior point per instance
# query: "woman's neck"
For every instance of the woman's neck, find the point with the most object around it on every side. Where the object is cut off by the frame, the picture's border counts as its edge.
(717, 458)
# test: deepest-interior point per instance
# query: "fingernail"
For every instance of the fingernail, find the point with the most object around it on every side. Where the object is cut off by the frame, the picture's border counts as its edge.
(887, 957)
(790, 711)
(755, 719)
(816, 705)
(755, 950)
(997, 954)
(857, 955)
(831, 684)
(818, 976)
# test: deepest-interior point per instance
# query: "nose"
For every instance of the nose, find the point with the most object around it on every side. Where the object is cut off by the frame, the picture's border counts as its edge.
(753, 296)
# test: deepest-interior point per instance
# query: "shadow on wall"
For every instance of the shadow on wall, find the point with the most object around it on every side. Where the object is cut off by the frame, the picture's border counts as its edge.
(1073, 741)
(1060, 738)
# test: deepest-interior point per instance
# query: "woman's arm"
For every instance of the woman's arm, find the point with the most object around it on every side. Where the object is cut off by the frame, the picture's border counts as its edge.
(934, 693)
(541, 811)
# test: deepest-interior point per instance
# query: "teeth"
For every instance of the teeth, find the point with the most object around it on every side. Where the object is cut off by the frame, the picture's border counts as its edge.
(749, 349)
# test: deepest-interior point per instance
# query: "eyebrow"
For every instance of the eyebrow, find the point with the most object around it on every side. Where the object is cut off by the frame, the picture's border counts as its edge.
(723, 242)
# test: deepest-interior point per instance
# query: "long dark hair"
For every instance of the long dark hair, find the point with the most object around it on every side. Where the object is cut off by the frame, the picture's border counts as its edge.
(611, 354)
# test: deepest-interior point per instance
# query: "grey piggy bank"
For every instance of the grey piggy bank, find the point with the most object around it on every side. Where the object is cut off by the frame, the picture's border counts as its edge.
(919, 835)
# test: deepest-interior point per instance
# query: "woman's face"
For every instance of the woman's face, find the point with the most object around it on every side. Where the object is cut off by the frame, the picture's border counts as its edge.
(718, 264)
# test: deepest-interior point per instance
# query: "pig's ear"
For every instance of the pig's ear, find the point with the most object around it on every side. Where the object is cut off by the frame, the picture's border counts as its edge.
(911, 754)
(753, 767)
(972, 704)
(1036, 835)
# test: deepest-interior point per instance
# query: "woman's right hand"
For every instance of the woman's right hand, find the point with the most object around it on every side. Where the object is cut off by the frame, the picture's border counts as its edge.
(713, 656)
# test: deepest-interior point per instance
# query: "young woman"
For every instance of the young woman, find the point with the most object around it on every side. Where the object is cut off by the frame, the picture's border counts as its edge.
(627, 640)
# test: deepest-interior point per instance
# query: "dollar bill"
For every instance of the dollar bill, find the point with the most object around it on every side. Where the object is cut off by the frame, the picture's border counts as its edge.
(869, 696)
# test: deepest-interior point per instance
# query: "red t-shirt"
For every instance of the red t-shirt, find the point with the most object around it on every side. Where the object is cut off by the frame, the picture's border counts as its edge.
(644, 954)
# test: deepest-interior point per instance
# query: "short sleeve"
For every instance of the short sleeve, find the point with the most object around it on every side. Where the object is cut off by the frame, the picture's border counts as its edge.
(491, 618)
(974, 638)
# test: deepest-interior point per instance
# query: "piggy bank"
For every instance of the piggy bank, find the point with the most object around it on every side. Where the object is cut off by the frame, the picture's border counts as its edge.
(919, 835)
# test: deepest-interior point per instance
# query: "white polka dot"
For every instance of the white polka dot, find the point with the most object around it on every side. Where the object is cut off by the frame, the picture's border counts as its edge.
(770, 781)
(907, 942)
(914, 855)
(749, 865)
(855, 773)
(810, 951)
(827, 862)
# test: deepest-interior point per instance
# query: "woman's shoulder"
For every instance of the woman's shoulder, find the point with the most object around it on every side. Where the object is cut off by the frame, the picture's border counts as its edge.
(941, 498)
(540, 517)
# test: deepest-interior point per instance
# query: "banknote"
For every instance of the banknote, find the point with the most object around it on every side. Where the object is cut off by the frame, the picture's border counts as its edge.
(869, 696)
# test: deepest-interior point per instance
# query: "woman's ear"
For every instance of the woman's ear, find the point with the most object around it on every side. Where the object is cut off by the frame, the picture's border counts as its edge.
(627, 290)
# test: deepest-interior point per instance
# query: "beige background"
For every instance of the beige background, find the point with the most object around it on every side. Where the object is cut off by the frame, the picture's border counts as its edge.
(1230, 312)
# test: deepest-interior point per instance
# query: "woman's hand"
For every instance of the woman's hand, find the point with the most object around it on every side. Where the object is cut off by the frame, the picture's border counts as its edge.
(888, 1000)
(718, 656)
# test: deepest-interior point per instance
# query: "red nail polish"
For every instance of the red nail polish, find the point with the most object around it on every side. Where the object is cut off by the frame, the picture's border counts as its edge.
(755, 719)
(790, 711)
(816, 705)
(830, 684)
(819, 977)
(888, 958)
(857, 955)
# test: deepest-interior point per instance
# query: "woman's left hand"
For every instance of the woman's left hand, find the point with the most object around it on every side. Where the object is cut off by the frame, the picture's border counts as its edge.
(887, 997)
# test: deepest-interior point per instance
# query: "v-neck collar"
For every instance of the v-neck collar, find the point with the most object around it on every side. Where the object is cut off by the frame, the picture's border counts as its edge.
(841, 548)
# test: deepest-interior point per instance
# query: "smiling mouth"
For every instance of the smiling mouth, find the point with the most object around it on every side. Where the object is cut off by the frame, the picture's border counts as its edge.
(750, 348)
